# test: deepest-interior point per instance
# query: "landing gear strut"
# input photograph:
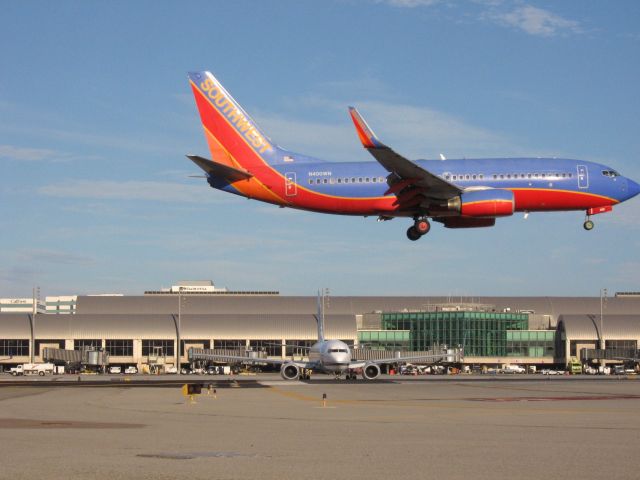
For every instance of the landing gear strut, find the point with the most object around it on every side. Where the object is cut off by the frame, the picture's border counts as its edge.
(421, 226)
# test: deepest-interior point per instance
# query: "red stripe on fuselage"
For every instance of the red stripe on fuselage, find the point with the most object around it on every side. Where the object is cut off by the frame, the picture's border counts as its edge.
(549, 200)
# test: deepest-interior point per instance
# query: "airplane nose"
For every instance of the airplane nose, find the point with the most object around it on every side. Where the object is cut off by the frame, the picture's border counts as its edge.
(633, 188)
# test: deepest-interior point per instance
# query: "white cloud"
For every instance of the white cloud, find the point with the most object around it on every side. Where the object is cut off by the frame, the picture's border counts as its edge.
(410, 3)
(527, 18)
(533, 20)
(26, 154)
(38, 256)
(416, 132)
(130, 190)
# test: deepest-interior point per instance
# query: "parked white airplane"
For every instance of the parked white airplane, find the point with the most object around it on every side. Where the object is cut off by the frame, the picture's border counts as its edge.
(325, 356)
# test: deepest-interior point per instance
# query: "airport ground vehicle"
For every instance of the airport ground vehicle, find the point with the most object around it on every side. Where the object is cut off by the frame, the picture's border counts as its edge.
(33, 369)
(574, 366)
(131, 370)
(513, 369)
(115, 369)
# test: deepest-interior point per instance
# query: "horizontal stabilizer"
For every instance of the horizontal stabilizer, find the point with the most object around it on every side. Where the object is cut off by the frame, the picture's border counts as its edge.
(220, 170)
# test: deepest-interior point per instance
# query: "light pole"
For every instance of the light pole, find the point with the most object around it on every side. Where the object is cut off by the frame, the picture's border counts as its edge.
(178, 366)
(603, 300)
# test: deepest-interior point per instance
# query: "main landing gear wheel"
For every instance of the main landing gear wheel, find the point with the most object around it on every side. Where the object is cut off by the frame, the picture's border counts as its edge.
(420, 227)
(588, 225)
(412, 234)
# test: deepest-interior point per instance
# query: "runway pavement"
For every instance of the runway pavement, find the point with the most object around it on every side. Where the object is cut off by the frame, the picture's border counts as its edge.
(471, 428)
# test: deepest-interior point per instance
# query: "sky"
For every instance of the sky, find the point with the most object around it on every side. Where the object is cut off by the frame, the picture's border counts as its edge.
(96, 115)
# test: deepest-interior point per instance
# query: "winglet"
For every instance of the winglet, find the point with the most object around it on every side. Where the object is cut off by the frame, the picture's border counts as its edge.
(367, 137)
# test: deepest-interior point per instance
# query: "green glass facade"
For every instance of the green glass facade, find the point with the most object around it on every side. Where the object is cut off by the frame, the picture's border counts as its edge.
(385, 339)
(482, 334)
(531, 343)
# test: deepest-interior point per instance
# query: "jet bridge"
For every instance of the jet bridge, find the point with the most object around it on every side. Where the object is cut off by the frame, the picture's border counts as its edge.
(86, 357)
(441, 355)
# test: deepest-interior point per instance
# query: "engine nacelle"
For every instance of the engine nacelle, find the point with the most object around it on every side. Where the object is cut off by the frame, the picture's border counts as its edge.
(487, 203)
(371, 371)
(290, 371)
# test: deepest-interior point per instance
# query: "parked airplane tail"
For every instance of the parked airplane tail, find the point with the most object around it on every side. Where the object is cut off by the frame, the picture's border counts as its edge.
(320, 316)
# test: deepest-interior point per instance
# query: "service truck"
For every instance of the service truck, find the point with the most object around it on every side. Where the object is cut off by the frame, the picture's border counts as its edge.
(33, 369)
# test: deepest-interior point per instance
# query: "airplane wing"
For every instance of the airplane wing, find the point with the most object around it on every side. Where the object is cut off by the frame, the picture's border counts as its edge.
(220, 170)
(408, 180)
(414, 358)
(248, 360)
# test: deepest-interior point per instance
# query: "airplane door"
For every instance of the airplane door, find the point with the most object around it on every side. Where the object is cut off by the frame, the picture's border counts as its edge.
(583, 176)
(290, 186)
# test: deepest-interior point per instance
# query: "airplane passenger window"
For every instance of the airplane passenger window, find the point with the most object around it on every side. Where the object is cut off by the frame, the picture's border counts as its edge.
(359, 179)
(508, 175)
(381, 180)
(374, 179)
(474, 176)
(353, 180)
(453, 177)
(481, 176)
(528, 175)
(466, 177)
(332, 180)
(339, 180)
(311, 181)
(366, 180)
(501, 176)
(495, 177)
(324, 180)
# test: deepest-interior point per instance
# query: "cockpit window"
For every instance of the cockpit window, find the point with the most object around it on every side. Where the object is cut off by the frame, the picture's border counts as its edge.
(610, 173)
(337, 350)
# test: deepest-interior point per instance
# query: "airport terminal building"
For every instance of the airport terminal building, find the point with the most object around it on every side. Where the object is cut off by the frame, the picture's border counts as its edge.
(493, 331)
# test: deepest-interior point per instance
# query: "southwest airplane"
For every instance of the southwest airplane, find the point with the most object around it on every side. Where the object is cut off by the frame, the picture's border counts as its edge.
(325, 356)
(457, 193)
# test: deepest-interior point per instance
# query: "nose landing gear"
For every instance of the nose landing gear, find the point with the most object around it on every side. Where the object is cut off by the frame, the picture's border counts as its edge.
(421, 226)
(588, 224)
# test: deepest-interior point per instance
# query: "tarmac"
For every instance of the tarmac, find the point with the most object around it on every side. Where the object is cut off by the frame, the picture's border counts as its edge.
(264, 427)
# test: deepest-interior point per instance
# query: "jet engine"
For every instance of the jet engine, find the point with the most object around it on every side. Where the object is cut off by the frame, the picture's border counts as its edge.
(487, 203)
(290, 371)
(371, 371)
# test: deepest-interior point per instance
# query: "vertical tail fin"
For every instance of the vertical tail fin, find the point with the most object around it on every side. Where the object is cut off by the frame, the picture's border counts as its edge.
(234, 138)
(320, 316)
